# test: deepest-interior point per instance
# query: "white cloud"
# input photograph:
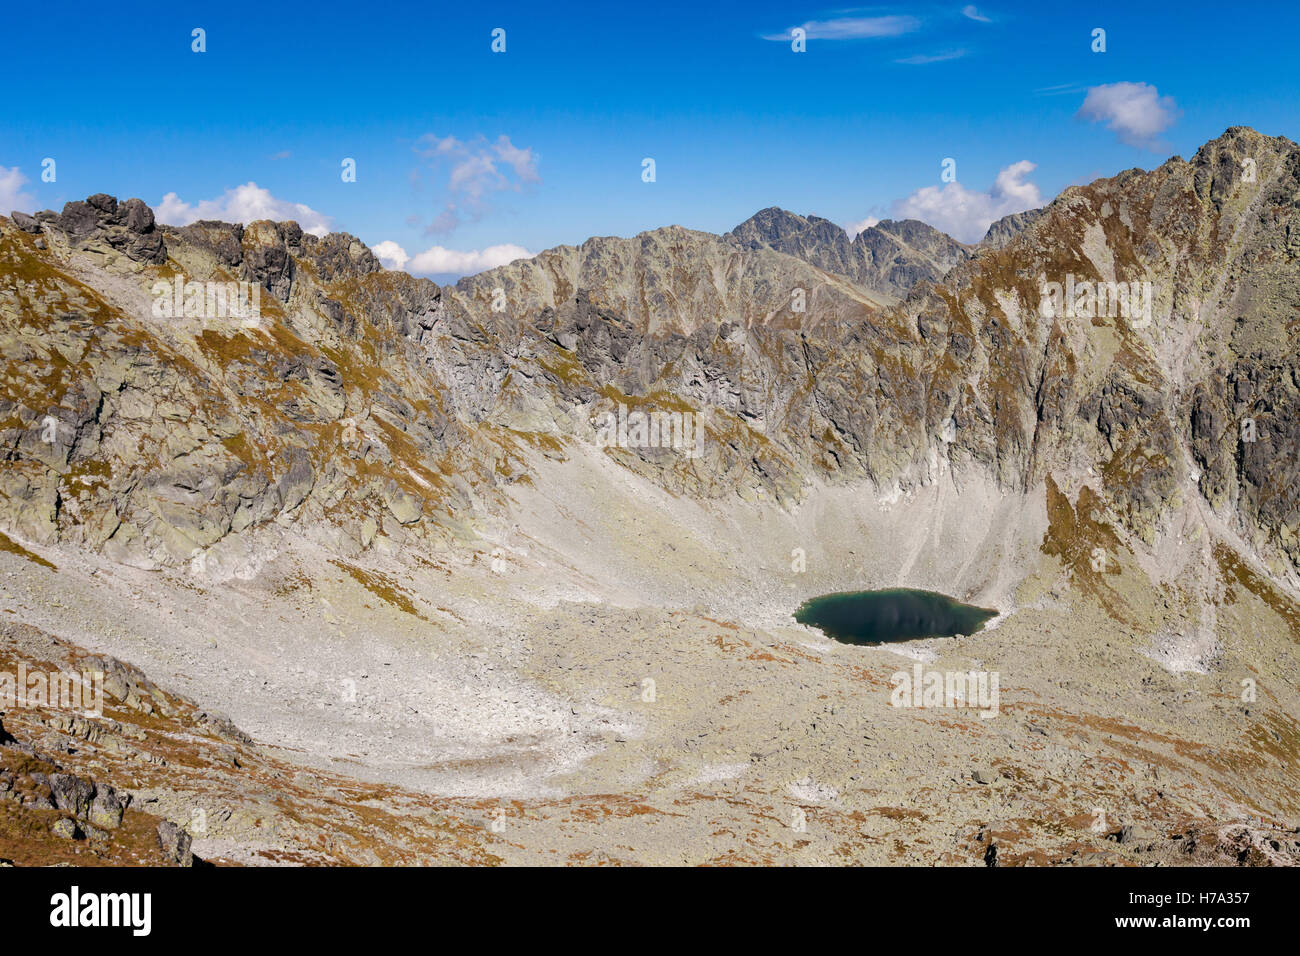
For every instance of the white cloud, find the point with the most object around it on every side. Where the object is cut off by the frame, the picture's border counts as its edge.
(853, 228)
(921, 59)
(966, 214)
(246, 203)
(853, 28)
(478, 169)
(12, 197)
(440, 260)
(1136, 112)
(391, 255)
(972, 13)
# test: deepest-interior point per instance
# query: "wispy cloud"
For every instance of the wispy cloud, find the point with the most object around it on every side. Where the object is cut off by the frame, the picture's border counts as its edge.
(966, 214)
(971, 12)
(246, 203)
(853, 28)
(1059, 89)
(1135, 112)
(476, 169)
(921, 59)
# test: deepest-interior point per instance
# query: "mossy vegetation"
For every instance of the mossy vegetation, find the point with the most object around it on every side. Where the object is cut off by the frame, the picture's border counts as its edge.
(382, 587)
(1239, 576)
(10, 546)
(1087, 546)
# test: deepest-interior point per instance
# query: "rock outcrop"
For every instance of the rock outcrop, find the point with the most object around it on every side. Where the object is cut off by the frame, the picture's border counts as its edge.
(1008, 227)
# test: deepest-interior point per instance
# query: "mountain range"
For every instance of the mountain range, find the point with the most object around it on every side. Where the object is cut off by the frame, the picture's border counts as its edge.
(1115, 474)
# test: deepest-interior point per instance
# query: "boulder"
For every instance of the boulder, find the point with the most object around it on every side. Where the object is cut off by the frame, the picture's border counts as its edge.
(71, 794)
(25, 222)
(108, 807)
(175, 843)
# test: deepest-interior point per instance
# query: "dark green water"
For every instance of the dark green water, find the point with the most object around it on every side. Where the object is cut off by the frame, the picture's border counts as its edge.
(898, 614)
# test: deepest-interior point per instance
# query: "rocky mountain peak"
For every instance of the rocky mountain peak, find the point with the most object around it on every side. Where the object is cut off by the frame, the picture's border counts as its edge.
(887, 259)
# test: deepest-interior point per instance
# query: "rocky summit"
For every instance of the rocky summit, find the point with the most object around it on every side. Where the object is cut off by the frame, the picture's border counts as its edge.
(377, 571)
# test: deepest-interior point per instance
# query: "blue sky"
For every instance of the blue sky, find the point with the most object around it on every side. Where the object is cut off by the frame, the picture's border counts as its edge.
(543, 144)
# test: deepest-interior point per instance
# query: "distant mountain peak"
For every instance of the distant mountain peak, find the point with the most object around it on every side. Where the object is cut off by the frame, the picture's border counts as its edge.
(887, 259)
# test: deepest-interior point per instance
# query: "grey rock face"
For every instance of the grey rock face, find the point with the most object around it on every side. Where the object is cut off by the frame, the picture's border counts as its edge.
(175, 843)
(222, 240)
(267, 259)
(905, 253)
(1008, 227)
